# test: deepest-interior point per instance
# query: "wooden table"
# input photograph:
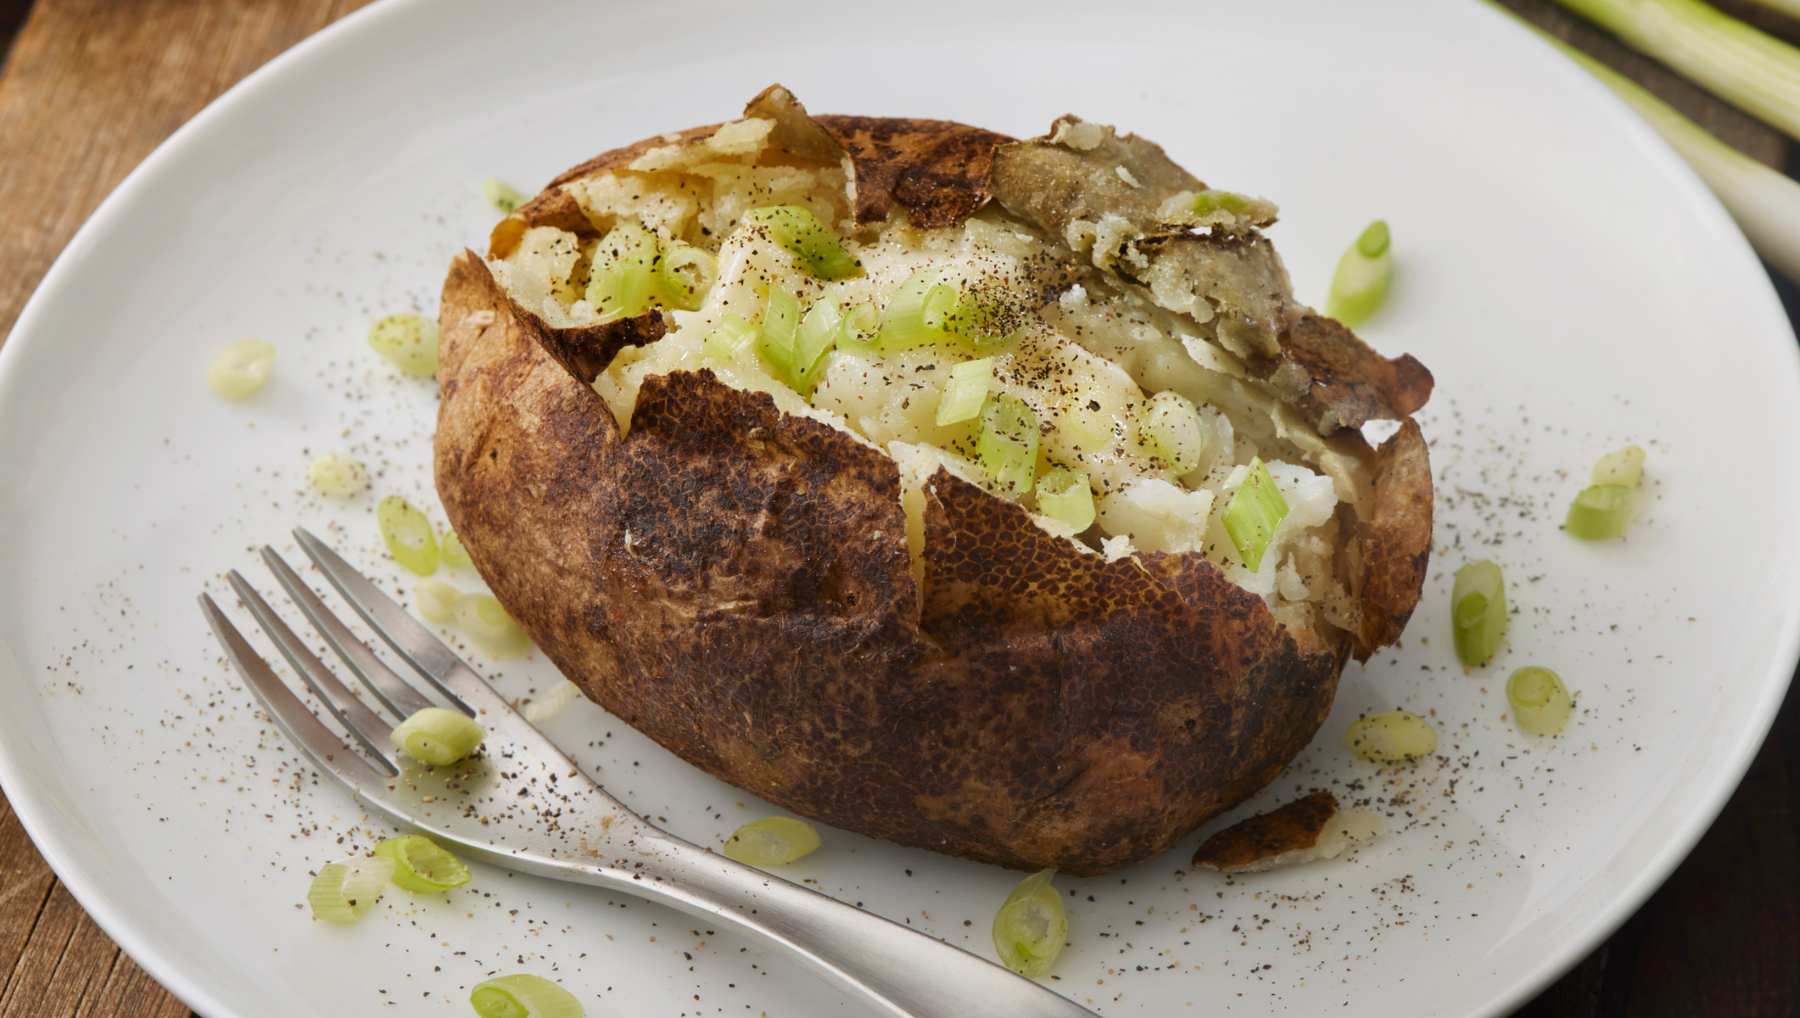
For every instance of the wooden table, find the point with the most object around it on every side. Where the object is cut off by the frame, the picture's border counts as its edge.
(90, 86)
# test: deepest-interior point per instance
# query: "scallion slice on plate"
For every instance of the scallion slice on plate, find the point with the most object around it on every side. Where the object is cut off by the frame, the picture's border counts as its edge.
(1031, 926)
(337, 476)
(454, 554)
(1360, 283)
(1478, 615)
(1392, 737)
(1600, 512)
(407, 341)
(343, 891)
(1626, 466)
(408, 535)
(1540, 703)
(438, 736)
(436, 600)
(501, 195)
(485, 621)
(523, 996)
(237, 371)
(771, 841)
(422, 865)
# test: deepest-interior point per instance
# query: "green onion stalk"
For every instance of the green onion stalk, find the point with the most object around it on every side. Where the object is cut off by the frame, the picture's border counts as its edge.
(1765, 203)
(1791, 8)
(1753, 70)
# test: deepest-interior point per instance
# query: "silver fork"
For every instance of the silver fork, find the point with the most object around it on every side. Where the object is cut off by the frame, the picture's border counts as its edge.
(524, 805)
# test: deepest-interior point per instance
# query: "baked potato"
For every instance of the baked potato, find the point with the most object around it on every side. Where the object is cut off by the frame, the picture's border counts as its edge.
(710, 430)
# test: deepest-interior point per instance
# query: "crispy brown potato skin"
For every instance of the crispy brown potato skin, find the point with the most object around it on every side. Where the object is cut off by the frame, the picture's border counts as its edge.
(735, 583)
(1292, 827)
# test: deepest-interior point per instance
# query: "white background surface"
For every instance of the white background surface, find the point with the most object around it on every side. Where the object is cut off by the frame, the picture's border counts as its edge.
(1567, 280)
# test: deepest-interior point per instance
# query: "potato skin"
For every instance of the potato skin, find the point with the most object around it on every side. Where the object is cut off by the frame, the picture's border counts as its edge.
(735, 583)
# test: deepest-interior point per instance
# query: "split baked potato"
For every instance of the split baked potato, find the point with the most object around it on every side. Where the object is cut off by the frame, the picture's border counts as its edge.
(710, 430)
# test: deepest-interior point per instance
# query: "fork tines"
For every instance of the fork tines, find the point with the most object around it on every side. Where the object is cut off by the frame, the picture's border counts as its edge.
(442, 678)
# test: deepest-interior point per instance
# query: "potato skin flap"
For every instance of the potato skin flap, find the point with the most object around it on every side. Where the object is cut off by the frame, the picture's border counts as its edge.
(736, 582)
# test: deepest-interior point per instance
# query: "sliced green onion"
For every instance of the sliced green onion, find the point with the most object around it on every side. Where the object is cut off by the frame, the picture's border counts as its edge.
(437, 736)
(1064, 495)
(1791, 8)
(486, 623)
(343, 891)
(932, 307)
(812, 243)
(1765, 202)
(1751, 69)
(409, 342)
(1361, 280)
(624, 281)
(523, 996)
(1374, 240)
(938, 309)
(436, 601)
(239, 369)
(1031, 926)
(818, 333)
(861, 325)
(903, 319)
(1172, 433)
(1007, 447)
(775, 337)
(965, 392)
(684, 275)
(771, 841)
(1478, 616)
(455, 555)
(1626, 466)
(1540, 702)
(1255, 510)
(422, 865)
(729, 339)
(1392, 737)
(407, 534)
(501, 195)
(337, 476)
(1600, 512)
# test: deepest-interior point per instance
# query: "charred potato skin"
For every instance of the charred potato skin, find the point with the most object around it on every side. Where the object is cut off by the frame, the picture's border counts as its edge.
(735, 583)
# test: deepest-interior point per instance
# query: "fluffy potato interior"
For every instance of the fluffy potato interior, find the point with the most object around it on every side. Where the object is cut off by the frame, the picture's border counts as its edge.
(1086, 384)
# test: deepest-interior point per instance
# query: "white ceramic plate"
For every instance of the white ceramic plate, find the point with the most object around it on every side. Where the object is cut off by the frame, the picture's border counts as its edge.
(1568, 280)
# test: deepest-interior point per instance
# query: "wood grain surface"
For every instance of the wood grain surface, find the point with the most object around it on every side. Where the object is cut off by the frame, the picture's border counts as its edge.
(89, 87)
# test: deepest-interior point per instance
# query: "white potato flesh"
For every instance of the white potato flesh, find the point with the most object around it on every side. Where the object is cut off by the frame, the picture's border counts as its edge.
(1088, 365)
(1157, 515)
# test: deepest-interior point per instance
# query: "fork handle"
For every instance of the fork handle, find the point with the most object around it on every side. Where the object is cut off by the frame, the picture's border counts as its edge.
(904, 973)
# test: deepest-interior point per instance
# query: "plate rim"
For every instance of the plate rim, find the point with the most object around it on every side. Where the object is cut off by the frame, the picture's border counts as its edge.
(35, 815)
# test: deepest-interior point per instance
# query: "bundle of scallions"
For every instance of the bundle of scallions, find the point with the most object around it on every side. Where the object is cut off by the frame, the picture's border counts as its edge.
(1753, 70)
